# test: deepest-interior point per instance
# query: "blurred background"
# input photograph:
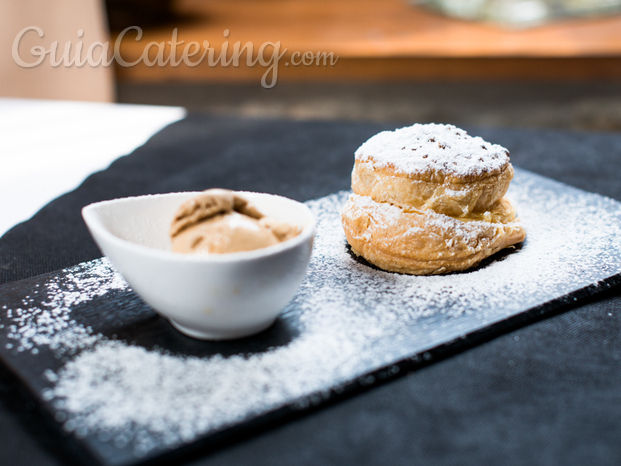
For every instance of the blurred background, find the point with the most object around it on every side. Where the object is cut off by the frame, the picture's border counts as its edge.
(528, 63)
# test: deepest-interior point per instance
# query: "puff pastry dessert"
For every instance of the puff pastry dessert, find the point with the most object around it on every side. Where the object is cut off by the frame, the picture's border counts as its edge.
(429, 199)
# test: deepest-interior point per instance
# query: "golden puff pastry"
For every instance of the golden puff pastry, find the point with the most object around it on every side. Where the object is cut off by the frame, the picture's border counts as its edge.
(429, 199)
(423, 242)
(436, 167)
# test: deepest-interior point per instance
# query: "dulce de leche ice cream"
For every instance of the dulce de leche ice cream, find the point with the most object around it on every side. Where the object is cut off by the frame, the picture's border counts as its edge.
(219, 221)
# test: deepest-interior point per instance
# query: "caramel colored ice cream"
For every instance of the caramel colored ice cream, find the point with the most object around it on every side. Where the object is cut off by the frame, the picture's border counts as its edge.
(219, 221)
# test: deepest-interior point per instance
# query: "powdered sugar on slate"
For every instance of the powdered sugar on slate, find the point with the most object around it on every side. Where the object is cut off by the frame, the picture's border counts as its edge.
(421, 149)
(350, 319)
(51, 324)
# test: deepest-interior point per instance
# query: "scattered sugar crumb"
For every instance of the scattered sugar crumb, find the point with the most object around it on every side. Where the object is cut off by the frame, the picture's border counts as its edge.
(52, 325)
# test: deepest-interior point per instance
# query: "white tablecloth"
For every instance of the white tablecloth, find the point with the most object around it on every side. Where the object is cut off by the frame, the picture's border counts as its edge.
(48, 148)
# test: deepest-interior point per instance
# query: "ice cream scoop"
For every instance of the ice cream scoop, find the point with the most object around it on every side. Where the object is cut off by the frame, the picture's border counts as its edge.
(219, 221)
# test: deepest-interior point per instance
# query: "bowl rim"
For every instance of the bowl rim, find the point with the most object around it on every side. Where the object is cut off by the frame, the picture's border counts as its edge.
(97, 228)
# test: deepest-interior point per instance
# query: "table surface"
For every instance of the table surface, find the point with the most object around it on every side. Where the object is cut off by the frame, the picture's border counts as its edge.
(543, 394)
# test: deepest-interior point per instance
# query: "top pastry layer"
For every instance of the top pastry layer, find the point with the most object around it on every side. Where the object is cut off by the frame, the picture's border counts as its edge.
(433, 150)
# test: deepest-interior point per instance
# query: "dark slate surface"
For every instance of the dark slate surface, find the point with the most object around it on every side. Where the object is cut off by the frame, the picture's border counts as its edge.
(549, 393)
(122, 315)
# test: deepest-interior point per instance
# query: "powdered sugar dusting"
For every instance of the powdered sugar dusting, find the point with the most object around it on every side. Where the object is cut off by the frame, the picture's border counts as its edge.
(350, 319)
(421, 149)
(52, 324)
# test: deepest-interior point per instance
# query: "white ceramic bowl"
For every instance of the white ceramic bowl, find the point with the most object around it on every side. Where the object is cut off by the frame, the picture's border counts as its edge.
(212, 297)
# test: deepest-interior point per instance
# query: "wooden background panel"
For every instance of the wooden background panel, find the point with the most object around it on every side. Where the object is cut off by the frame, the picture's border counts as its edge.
(382, 40)
(395, 69)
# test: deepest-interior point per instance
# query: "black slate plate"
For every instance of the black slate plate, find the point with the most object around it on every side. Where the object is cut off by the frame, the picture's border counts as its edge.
(350, 327)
